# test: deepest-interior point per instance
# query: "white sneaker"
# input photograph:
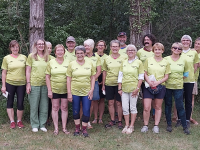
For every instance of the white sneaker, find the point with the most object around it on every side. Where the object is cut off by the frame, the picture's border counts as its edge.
(35, 129)
(43, 129)
(125, 129)
(130, 130)
(144, 129)
(155, 129)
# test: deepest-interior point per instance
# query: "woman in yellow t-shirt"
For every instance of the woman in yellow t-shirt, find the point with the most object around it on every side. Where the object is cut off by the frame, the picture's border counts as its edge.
(80, 87)
(174, 86)
(14, 81)
(111, 67)
(36, 85)
(130, 78)
(156, 73)
(99, 106)
(57, 89)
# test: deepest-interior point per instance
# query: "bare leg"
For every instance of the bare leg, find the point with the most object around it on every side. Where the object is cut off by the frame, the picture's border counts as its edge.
(133, 117)
(55, 109)
(146, 110)
(111, 109)
(10, 112)
(64, 110)
(101, 107)
(126, 117)
(95, 108)
(119, 106)
(158, 110)
(19, 115)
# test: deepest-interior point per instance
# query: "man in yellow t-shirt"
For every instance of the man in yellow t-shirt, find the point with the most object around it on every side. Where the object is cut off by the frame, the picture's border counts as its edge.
(70, 52)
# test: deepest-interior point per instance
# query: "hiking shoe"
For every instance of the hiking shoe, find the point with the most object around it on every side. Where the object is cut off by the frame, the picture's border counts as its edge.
(110, 124)
(169, 128)
(188, 123)
(120, 126)
(178, 123)
(77, 132)
(20, 124)
(125, 129)
(186, 131)
(155, 129)
(12, 125)
(84, 132)
(144, 129)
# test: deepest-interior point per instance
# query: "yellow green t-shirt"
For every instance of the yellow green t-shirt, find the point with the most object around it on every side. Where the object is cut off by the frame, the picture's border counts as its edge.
(192, 58)
(38, 68)
(122, 52)
(175, 80)
(112, 66)
(102, 59)
(70, 56)
(158, 69)
(51, 57)
(143, 55)
(80, 77)
(196, 75)
(131, 72)
(58, 75)
(16, 74)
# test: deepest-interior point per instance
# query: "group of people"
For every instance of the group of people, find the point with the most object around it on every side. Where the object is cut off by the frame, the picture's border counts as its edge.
(87, 78)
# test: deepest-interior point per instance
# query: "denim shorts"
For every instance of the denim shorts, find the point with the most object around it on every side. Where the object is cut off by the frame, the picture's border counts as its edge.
(96, 91)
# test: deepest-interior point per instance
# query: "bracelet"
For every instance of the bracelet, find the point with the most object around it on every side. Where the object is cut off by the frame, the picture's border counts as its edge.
(119, 89)
(138, 88)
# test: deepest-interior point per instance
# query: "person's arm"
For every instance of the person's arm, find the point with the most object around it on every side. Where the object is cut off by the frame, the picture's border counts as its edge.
(50, 94)
(69, 94)
(147, 79)
(90, 94)
(4, 73)
(28, 76)
(120, 76)
(98, 72)
(156, 83)
(104, 79)
(135, 92)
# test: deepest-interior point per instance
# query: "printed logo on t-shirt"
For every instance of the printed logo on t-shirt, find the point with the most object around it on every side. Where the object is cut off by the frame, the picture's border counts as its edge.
(151, 64)
(162, 65)
(180, 64)
(94, 59)
(65, 66)
(21, 60)
(190, 55)
(55, 68)
(87, 68)
(119, 62)
(134, 66)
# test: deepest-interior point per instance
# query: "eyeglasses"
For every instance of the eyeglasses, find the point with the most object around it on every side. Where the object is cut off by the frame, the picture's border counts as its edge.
(177, 48)
(131, 50)
(40, 44)
(100, 45)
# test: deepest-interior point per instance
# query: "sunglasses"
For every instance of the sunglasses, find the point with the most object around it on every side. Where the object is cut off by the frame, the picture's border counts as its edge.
(177, 48)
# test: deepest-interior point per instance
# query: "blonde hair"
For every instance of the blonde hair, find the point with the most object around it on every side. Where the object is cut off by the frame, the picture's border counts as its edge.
(35, 51)
(159, 45)
(58, 45)
(12, 44)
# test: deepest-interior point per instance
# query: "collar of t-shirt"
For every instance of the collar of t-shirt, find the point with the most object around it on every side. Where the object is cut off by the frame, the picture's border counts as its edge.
(185, 51)
(146, 49)
(92, 55)
(130, 61)
(123, 47)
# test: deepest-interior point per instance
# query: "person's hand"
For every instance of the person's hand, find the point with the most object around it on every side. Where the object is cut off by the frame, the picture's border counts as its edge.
(135, 93)
(156, 83)
(120, 92)
(28, 88)
(50, 94)
(69, 97)
(90, 94)
(3, 89)
(103, 88)
(151, 84)
(100, 83)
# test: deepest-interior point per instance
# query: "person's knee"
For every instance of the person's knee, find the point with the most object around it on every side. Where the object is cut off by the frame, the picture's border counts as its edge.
(147, 108)
(157, 107)
(110, 103)
(55, 107)
(64, 108)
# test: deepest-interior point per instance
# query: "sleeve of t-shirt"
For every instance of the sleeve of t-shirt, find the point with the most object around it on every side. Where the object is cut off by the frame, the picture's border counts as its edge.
(29, 60)
(98, 61)
(69, 70)
(48, 69)
(146, 65)
(4, 64)
(141, 68)
(168, 70)
(93, 70)
(104, 67)
(138, 54)
(196, 58)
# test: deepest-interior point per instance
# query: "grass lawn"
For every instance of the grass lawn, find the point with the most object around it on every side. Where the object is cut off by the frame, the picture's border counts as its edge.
(101, 138)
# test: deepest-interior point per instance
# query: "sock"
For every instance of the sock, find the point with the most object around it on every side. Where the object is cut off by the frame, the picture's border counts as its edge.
(12, 121)
(77, 126)
(18, 120)
(84, 127)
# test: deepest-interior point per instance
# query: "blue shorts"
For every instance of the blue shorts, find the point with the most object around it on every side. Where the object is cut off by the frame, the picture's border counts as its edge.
(147, 94)
(96, 91)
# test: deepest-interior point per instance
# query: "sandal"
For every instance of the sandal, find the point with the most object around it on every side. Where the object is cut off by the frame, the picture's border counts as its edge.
(65, 131)
(194, 121)
(55, 132)
(94, 121)
(100, 121)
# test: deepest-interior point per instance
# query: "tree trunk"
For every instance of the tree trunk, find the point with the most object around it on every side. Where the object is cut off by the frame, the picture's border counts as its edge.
(36, 21)
(139, 20)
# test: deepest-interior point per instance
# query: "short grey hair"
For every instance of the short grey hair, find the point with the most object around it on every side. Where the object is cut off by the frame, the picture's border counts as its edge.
(89, 42)
(48, 43)
(131, 46)
(115, 41)
(80, 48)
(188, 38)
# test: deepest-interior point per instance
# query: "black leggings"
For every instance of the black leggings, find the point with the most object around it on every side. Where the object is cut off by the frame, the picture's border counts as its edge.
(20, 91)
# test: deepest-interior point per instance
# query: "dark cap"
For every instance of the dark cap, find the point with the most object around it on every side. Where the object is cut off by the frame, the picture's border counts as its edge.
(121, 33)
(70, 39)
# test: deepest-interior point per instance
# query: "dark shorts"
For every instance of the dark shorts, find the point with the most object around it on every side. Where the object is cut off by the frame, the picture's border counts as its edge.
(56, 96)
(112, 93)
(147, 94)
(100, 87)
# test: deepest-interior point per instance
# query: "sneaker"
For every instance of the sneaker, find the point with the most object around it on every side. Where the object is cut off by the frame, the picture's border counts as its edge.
(125, 129)
(130, 130)
(144, 129)
(77, 132)
(120, 126)
(43, 129)
(84, 132)
(155, 129)
(20, 124)
(35, 129)
(110, 124)
(169, 128)
(188, 123)
(186, 131)
(178, 123)
(12, 125)
(89, 126)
